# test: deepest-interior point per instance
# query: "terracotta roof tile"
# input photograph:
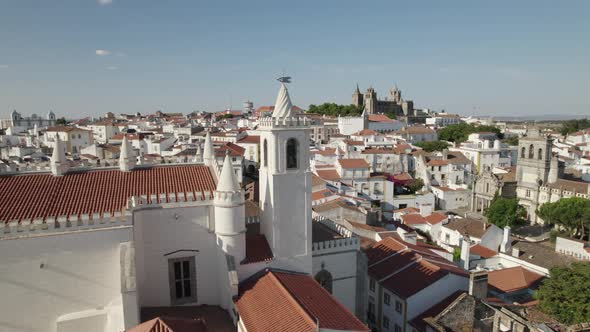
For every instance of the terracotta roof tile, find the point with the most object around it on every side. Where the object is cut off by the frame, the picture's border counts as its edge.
(250, 139)
(171, 324)
(328, 174)
(353, 163)
(283, 301)
(100, 191)
(482, 251)
(380, 118)
(513, 279)
(257, 249)
(435, 218)
(413, 219)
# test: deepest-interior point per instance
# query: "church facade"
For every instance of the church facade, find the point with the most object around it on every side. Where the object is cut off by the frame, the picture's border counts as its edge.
(394, 103)
(88, 250)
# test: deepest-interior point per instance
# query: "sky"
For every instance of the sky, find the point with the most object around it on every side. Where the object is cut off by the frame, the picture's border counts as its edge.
(87, 57)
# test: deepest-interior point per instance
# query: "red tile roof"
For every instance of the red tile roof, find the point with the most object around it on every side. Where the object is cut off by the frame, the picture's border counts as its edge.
(405, 268)
(171, 324)
(353, 163)
(435, 218)
(365, 132)
(257, 249)
(317, 195)
(413, 219)
(513, 279)
(250, 139)
(328, 174)
(283, 301)
(100, 191)
(482, 251)
(234, 150)
(380, 118)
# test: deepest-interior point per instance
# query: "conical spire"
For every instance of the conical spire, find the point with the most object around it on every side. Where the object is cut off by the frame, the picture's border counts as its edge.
(126, 160)
(228, 182)
(59, 164)
(199, 154)
(58, 155)
(283, 106)
(208, 150)
(357, 91)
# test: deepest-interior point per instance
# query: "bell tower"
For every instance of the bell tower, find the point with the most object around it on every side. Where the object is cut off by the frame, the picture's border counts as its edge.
(285, 184)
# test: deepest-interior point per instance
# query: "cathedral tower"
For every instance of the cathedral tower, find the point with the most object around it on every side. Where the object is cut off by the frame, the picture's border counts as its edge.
(371, 100)
(532, 169)
(285, 184)
(357, 97)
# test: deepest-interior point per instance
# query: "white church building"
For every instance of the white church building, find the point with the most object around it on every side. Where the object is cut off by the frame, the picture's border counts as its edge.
(90, 250)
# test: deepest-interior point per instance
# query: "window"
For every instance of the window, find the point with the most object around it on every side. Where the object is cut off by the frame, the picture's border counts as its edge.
(182, 278)
(487, 187)
(398, 306)
(540, 154)
(528, 193)
(447, 238)
(372, 284)
(523, 152)
(324, 278)
(531, 151)
(385, 322)
(265, 153)
(386, 299)
(292, 152)
(397, 328)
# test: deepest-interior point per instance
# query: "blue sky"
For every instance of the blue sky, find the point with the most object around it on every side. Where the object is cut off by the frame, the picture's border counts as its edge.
(470, 57)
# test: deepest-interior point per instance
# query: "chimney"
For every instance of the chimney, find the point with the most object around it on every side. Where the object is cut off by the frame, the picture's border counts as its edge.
(478, 284)
(505, 246)
(515, 252)
(425, 209)
(465, 252)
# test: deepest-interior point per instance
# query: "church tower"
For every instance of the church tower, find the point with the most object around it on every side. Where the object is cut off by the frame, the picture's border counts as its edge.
(532, 169)
(285, 184)
(371, 100)
(357, 97)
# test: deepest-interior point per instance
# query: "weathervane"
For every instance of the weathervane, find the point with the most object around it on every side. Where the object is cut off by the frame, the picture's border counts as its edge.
(284, 79)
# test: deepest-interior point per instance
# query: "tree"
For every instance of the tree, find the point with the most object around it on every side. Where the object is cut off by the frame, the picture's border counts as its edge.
(572, 213)
(391, 115)
(572, 126)
(565, 294)
(432, 145)
(333, 109)
(415, 185)
(459, 132)
(225, 116)
(512, 140)
(505, 212)
(61, 121)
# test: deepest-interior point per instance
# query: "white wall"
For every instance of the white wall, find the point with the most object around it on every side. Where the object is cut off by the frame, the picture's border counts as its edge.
(163, 231)
(342, 267)
(81, 272)
(435, 293)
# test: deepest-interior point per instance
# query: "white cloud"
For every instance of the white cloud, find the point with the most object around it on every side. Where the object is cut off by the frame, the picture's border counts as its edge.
(104, 2)
(112, 67)
(102, 52)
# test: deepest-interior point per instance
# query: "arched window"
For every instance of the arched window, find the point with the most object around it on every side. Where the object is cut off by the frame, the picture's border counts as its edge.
(324, 278)
(292, 153)
(540, 156)
(265, 153)
(523, 152)
(531, 151)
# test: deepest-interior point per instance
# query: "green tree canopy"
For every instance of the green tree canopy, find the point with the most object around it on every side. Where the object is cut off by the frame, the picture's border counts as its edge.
(505, 212)
(430, 146)
(415, 185)
(61, 121)
(333, 109)
(459, 132)
(565, 294)
(571, 126)
(512, 140)
(572, 213)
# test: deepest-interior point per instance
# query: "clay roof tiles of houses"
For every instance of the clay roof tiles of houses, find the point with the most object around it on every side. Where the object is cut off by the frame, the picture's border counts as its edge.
(171, 324)
(352, 142)
(435, 310)
(437, 162)
(285, 301)
(365, 132)
(99, 191)
(316, 180)
(353, 163)
(413, 219)
(467, 226)
(569, 185)
(435, 218)
(257, 249)
(482, 251)
(513, 279)
(328, 174)
(317, 195)
(380, 118)
(250, 139)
